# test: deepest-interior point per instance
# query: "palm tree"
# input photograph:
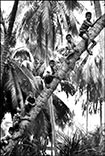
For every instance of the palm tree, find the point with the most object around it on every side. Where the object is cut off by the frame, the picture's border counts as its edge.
(90, 84)
(98, 13)
(71, 19)
(13, 76)
(42, 22)
(5, 48)
(46, 93)
(99, 59)
(13, 82)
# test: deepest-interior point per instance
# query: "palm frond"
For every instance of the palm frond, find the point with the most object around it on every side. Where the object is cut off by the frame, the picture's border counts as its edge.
(25, 82)
(53, 37)
(53, 30)
(46, 16)
(59, 28)
(72, 27)
(63, 114)
(2, 22)
(62, 11)
(71, 5)
(86, 72)
(22, 52)
(19, 91)
(68, 88)
(10, 85)
(40, 32)
(36, 81)
(39, 127)
(29, 21)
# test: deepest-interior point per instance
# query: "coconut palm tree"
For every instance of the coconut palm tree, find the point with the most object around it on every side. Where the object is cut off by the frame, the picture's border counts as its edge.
(46, 93)
(43, 21)
(90, 83)
(98, 13)
(46, 24)
(92, 80)
(17, 82)
(13, 76)
(5, 48)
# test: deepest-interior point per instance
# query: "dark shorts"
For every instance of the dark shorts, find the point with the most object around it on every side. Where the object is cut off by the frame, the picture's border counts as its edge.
(82, 33)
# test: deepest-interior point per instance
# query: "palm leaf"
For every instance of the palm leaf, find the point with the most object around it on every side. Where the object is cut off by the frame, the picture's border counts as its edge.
(22, 51)
(53, 31)
(72, 24)
(2, 22)
(46, 16)
(25, 82)
(40, 126)
(19, 91)
(63, 114)
(62, 10)
(71, 5)
(68, 88)
(29, 21)
(40, 32)
(59, 28)
(34, 83)
(10, 85)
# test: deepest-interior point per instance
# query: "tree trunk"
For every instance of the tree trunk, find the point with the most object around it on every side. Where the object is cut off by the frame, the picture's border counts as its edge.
(52, 120)
(87, 117)
(100, 116)
(46, 93)
(5, 51)
(98, 13)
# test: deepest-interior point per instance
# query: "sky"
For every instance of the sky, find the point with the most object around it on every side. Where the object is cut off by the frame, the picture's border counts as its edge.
(78, 119)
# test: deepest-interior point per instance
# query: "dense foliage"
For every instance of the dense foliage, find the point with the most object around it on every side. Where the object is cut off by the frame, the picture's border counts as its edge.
(34, 127)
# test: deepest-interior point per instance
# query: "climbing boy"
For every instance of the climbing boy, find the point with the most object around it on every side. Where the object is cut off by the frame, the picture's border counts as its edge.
(71, 47)
(49, 73)
(70, 44)
(84, 31)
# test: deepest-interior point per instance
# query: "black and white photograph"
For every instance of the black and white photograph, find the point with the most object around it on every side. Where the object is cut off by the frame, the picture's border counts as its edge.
(52, 78)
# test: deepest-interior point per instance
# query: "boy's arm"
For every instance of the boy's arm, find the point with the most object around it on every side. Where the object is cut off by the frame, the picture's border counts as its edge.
(88, 23)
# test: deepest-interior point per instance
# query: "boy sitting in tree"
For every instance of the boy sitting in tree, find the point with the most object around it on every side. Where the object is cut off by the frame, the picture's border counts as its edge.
(70, 44)
(49, 73)
(69, 50)
(84, 31)
(71, 47)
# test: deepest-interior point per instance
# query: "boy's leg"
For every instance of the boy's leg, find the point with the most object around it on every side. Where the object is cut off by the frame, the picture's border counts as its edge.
(93, 44)
(85, 36)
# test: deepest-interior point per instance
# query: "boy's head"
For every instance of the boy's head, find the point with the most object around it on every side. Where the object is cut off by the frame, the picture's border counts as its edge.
(88, 16)
(52, 63)
(11, 130)
(68, 37)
